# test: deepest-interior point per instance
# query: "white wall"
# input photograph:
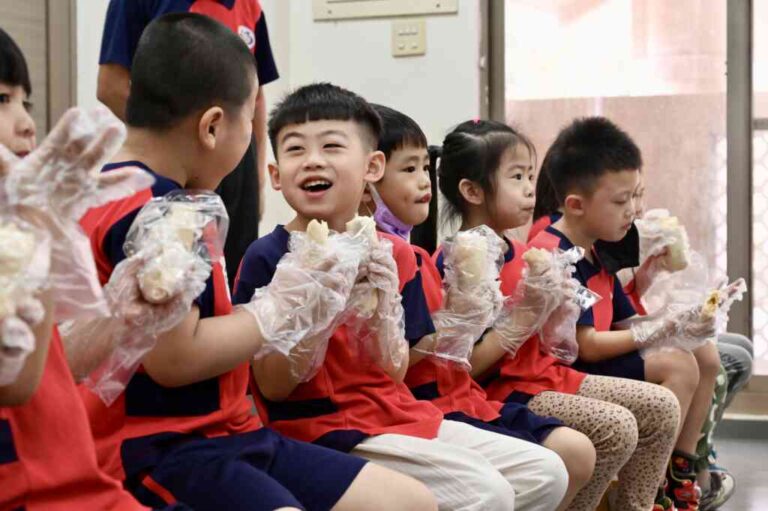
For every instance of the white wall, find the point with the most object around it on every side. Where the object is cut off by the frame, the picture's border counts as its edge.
(439, 89)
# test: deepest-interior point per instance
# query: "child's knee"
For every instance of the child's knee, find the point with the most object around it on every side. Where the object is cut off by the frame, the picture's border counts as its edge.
(623, 431)
(554, 475)
(662, 417)
(577, 453)
(708, 359)
(679, 368)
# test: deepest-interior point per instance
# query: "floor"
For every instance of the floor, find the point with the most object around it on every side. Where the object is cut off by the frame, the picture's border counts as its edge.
(743, 449)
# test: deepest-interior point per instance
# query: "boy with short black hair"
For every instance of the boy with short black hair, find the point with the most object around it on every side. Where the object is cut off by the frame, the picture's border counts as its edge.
(183, 428)
(594, 169)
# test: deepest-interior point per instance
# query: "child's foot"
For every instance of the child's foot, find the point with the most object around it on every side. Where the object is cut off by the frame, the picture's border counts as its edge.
(683, 489)
(721, 488)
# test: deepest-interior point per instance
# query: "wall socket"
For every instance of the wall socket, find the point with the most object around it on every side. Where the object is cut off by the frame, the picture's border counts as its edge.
(409, 37)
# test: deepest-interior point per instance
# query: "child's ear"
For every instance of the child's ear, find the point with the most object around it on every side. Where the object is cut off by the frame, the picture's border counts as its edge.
(209, 126)
(376, 164)
(574, 205)
(471, 192)
(274, 176)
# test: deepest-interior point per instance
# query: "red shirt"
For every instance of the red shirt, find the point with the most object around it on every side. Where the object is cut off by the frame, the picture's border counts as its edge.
(348, 399)
(47, 456)
(126, 432)
(531, 371)
(449, 387)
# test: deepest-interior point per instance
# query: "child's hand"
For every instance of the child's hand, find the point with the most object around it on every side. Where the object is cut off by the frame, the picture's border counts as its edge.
(687, 329)
(383, 334)
(649, 270)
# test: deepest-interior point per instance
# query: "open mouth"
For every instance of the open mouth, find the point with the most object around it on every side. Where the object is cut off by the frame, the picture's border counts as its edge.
(21, 154)
(316, 185)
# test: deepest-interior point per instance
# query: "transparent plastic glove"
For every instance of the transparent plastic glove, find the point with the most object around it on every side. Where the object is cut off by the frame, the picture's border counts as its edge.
(649, 271)
(61, 178)
(381, 336)
(546, 283)
(473, 297)
(133, 327)
(686, 329)
(308, 292)
(24, 264)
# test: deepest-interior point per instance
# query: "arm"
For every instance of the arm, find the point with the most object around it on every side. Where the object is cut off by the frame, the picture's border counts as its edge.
(20, 391)
(486, 353)
(596, 346)
(113, 88)
(200, 349)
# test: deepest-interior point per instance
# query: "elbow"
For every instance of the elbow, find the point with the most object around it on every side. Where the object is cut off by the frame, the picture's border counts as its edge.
(588, 353)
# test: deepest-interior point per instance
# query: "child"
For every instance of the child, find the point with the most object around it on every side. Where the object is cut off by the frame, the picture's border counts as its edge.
(403, 198)
(183, 428)
(325, 139)
(485, 176)
(47, 456)
(594, 170)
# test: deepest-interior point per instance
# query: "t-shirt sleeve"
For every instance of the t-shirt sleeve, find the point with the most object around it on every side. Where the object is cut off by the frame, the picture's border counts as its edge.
(123, 26)
(265, 61)
(113, 241)
(255, 272)
(622, 307)
(587, 317)
(418, 320)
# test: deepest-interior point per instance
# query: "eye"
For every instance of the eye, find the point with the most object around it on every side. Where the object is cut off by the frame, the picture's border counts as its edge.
(426, 169)
(621, 202)
(409, 169)
(518, 176)
(28, 105)
(293, 148)
(333, 145)
(5, 98)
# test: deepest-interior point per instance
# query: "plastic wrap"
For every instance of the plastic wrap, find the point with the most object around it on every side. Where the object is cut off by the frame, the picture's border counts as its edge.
(662, 233)
(24, 264)
(171, 247)
(307, 296)
(62, 179)
(472, 297)
(374, 315)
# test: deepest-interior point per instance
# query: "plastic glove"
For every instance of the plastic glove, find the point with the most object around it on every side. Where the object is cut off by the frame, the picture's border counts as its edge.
(61, 178)
(473, 298)
(308, 292)
(649, 271)
(685, 329)
(662, 234)
(381, 335)
(133, 327)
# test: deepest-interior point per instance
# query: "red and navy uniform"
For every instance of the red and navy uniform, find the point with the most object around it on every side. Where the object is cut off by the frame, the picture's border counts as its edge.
(530, 371)
(47, 458)
(347, 401)
(452, 389)
(126, 20)
(613, 307)
(199, 443)
(542, 223)
(124, 24)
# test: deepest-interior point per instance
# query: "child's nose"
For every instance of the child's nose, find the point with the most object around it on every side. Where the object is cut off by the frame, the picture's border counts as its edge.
(25, 126)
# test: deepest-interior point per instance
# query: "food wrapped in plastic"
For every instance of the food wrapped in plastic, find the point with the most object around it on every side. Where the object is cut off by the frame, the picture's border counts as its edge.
(472, 296)
(308, 293)
(62, 179)
(24, 264)
(187, 230)
(374, 316)
(659, 231)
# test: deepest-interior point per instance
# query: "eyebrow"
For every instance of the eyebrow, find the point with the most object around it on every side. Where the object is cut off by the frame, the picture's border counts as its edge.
(321, 134)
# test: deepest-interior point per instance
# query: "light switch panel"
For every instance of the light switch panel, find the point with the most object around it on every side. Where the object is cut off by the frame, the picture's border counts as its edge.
(409, 37)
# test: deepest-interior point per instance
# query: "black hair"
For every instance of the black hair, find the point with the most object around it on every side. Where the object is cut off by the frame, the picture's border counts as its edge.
(13, 65)
(397, 131)
(584, 151)
(473, 151)
(185, 63)
(546, 198)
(325, 102)
(424, 235)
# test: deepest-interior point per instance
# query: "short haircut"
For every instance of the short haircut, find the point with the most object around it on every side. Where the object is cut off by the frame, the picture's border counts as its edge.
(325, 102)
(583, 152)
(13, 65)
(473, 151)
(185, 63)
(398, 131)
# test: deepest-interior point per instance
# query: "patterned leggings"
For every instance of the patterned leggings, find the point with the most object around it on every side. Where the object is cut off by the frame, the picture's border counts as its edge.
(632, 425)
